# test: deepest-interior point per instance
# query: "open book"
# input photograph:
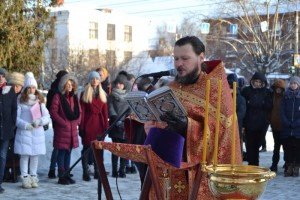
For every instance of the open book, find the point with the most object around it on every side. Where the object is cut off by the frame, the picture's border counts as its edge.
(151, 106)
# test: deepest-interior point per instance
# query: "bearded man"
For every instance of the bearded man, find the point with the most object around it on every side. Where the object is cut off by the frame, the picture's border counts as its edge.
(189, 87)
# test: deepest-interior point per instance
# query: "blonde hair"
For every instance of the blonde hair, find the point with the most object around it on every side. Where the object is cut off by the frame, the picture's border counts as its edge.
(87, 96)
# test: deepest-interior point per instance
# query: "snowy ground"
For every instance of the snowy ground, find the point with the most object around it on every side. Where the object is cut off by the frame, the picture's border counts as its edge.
(279, 188)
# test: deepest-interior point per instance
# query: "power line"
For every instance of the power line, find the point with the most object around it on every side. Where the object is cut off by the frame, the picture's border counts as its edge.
(177, 8)
(139, 2)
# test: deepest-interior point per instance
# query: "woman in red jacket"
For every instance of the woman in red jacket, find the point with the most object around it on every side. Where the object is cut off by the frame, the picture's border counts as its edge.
(65, 113)
(94, 117)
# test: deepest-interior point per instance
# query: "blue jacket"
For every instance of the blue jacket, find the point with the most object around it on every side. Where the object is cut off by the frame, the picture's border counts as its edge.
(290, 114)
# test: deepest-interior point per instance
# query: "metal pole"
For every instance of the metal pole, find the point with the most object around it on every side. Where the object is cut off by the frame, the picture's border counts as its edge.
(297, 29)
(296, 36)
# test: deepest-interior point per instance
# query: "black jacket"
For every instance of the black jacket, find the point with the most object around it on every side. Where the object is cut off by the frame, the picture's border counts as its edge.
(8, 112)
(259, 105)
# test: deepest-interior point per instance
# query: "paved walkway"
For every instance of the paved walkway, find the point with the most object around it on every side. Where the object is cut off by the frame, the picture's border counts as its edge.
(280, 188)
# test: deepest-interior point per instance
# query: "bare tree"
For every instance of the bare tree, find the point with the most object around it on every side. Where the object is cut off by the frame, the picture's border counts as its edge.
(264, 38)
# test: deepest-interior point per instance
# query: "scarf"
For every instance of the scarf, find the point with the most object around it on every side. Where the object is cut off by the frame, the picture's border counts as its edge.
(67, 108)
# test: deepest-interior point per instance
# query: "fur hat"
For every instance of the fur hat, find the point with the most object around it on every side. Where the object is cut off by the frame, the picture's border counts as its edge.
(278, 83)
(16, 78)
(166, 144)
(60, 74)
(295, 79)
(2, 71)
(94, 74)
(64, 80)
(30, 80)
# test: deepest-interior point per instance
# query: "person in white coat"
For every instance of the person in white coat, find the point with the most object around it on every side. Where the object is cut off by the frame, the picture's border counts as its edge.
(30, 134)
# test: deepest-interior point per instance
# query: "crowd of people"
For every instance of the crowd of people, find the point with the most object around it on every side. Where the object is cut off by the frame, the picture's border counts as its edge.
(24, 113)
(259, 107)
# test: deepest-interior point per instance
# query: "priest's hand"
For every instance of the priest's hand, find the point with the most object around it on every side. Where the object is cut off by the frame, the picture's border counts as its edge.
(175, 123)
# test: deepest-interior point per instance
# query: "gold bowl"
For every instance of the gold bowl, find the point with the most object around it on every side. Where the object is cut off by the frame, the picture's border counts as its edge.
(237, 181)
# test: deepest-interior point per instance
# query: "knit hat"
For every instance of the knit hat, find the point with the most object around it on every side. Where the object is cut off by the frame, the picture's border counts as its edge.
(2, 71)
(295, 79)
(166, 144)
(241, 82)
(94, 74)
(120, 79)
(16, 78)
(232, 78)
(30, 80)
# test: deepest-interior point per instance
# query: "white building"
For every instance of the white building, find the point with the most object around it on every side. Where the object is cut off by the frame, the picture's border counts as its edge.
(88, 38)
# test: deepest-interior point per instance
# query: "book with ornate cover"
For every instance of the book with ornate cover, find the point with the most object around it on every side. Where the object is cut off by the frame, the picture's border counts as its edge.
(151, 106)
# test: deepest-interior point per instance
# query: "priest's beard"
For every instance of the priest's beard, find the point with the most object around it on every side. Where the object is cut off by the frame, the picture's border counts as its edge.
(190, 78)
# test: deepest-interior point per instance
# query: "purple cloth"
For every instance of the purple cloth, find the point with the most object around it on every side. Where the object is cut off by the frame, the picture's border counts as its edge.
(166, 144)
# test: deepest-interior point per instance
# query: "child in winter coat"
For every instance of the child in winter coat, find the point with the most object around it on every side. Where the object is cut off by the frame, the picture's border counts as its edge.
(30, 134)
(290, 133)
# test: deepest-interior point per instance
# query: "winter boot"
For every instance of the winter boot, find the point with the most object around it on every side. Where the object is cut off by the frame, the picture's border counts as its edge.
(114, 161)
(128, 170)
(133, 169)
(274, 168)
(122, 173)
(34, 182)
(288, 170)
(51, 174)
(85, 167)
(26, 182)
(296, 170)
(96, 172)
(71, 181)
(62, 179)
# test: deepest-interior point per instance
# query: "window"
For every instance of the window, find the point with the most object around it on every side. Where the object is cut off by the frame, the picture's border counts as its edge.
(245, 29)
(111, 32)
(93, 30)
(128, 33)
(256, 28)
(224, 29)
(110, 58)
(127, 56)
(215, 30)
(278, 28)
(290, 25)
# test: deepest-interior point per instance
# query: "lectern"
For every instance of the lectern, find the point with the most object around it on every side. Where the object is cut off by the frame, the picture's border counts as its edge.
(144, 154)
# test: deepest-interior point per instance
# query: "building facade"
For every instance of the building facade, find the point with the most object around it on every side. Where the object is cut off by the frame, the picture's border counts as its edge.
(89, 38)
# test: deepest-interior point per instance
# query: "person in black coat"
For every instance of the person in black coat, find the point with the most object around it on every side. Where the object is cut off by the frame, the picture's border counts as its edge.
(53, 90)
(259, 105)
(240, 105)
(8, 116)
(290, 133)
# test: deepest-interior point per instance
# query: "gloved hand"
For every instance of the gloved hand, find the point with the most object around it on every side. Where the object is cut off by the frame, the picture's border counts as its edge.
(81, 133)
(29, 127)
(120, 124)
(36, 123)
(112, 119)
(177, 124)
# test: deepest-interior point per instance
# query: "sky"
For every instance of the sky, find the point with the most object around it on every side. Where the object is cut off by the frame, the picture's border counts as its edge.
(157, 10)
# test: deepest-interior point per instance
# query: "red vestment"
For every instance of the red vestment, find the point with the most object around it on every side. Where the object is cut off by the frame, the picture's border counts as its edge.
(193, 99)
